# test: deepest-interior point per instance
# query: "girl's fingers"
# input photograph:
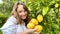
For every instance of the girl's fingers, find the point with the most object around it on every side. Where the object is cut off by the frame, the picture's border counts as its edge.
(36, 32)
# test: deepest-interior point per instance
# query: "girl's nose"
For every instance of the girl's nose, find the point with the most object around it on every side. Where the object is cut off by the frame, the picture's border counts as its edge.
(23, 13)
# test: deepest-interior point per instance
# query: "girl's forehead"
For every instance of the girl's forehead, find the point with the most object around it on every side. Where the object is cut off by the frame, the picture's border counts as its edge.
(20, 7)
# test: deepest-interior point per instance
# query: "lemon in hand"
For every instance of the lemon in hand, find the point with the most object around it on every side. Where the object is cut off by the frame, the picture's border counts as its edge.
(30, 25)
(39, 28)
(34, 21)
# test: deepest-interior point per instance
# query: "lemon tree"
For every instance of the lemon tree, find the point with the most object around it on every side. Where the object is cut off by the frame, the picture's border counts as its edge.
(50, 11)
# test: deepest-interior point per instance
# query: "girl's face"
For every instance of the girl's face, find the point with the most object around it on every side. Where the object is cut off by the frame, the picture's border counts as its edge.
(22, 13)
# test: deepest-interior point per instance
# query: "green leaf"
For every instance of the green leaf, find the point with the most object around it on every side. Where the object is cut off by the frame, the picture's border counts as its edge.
(55, 26)
(56, 5)
(23, 0)
(45, 10)
(0, 21)
(0, 32)
(58, 19)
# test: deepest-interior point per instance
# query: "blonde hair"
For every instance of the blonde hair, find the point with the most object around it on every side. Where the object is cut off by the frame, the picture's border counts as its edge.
(14, 12)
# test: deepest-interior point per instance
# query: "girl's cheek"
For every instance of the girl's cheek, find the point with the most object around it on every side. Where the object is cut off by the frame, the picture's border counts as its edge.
(26, 13)
(20, 14)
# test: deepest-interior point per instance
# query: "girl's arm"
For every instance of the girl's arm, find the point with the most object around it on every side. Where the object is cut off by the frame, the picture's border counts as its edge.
(9, 27)
(28, 31)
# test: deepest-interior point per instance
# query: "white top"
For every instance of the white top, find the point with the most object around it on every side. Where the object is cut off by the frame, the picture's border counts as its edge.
(11, 28)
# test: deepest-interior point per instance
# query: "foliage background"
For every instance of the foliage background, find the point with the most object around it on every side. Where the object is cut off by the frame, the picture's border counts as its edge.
(50, 9)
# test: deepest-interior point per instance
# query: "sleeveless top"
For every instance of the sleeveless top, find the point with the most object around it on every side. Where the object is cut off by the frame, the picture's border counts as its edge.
(11, 28)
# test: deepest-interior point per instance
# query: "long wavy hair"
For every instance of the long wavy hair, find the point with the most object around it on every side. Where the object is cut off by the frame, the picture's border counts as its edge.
(14, 12)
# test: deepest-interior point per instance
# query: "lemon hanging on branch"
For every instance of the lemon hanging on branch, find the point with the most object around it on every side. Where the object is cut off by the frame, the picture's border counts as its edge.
(40, 18)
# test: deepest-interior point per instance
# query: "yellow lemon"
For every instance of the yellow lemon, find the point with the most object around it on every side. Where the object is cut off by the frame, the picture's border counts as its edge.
(39, 28)
(40, 18)
(34, 21)
(30, 25)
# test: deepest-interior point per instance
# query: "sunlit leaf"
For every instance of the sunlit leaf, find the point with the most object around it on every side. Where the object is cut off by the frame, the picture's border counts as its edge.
(56, 5)
(45, 10)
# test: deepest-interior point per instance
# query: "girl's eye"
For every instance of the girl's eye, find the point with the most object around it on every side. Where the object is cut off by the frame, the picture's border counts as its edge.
(21, 11)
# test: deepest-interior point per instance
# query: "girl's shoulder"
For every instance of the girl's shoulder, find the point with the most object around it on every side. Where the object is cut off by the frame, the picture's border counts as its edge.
(9, 23)
(11, 18)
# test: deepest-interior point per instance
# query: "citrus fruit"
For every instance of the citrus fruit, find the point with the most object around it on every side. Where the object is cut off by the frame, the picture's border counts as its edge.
(30, 25)
(39, 28)
(34, 21)
(40, 18)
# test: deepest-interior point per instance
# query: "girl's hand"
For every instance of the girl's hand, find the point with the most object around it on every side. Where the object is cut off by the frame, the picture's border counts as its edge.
(30, 30)
(36, 33)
